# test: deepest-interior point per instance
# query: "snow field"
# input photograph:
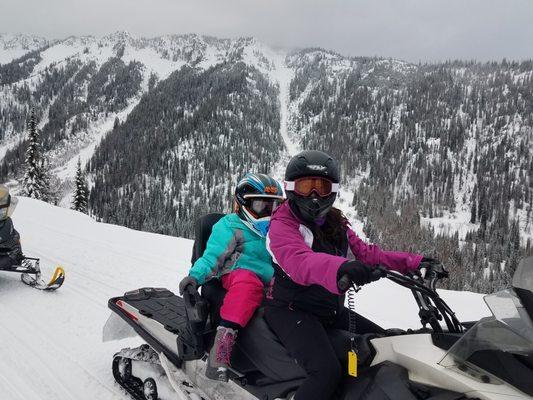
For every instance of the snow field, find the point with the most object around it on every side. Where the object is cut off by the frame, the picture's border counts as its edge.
(51, 342)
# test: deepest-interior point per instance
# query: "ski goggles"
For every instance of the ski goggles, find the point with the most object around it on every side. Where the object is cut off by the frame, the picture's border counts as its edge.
(261, 207)
(7, 203)
(307, 185)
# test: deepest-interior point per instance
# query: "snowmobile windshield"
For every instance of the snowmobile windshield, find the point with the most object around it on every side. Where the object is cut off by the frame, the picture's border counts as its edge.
(497, 345)
(523, 276)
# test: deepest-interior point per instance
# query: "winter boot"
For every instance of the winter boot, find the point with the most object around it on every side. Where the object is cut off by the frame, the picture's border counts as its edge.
(220, 354)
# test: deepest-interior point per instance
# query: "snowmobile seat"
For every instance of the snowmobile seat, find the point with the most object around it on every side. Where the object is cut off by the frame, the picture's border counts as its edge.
(202, 231)
(257, 342)
(257, 347)
(212, 290)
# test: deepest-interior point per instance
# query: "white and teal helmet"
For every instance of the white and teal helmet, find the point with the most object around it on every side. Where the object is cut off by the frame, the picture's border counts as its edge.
(257, 196)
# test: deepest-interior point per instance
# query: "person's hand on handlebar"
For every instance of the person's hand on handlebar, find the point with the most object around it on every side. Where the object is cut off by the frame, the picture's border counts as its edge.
(186, 283)
(431, 268)
(357, 273)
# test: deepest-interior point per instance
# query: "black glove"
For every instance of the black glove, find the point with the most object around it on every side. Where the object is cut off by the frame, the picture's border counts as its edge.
(186, 282)
(430, 268)
(359, 273)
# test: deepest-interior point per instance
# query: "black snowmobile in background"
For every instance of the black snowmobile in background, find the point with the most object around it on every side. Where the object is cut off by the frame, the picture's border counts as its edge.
(11, 257)
(491, 359)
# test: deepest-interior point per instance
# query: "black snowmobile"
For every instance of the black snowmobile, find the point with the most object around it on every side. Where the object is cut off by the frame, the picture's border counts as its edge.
(445, 360)
(13, 260)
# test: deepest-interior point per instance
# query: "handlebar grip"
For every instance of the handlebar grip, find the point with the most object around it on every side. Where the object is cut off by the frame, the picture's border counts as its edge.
(191, 290)
(195, 305)
(344, 283)
(379, 272)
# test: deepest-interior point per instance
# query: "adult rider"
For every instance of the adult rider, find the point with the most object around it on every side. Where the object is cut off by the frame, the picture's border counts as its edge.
(313, 247)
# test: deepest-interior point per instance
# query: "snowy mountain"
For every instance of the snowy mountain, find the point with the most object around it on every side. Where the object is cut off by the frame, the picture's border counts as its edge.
(81, 85)
(15, 46)
(51, 342)
(435, 150)
(165, 126)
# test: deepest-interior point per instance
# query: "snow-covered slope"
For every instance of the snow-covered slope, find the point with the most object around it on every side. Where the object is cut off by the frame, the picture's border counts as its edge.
(14, 46)
(82, 64)
(51, 342)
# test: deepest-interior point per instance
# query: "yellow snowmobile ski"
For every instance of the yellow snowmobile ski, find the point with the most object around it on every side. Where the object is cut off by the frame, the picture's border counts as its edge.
(32, 276)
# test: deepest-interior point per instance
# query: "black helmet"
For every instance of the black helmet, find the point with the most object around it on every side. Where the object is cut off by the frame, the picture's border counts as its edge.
(257, 195)
(312, 164)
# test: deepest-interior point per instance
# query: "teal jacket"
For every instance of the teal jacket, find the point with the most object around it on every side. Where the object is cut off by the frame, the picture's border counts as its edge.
(233, 245)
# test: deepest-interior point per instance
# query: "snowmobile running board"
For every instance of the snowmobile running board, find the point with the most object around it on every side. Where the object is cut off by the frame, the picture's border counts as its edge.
(30, 271)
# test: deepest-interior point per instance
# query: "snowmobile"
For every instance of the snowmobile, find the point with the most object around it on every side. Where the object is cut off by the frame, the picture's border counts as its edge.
(444, 360)
(12, 259)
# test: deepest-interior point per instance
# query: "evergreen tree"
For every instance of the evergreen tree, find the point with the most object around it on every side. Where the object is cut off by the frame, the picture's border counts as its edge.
(81, 192)
(51, 183)
(33, 184)
(473, 213)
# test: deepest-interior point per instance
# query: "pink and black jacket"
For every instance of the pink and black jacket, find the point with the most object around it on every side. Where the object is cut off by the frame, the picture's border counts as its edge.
(306, 269)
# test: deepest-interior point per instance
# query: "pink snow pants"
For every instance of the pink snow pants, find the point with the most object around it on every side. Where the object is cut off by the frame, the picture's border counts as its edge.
(245, 293)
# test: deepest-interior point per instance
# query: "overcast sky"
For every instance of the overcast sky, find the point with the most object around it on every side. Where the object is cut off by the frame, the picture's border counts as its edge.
(407, 29)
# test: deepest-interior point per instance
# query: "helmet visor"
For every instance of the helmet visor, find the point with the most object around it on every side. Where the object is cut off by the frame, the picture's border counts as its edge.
(5, 202)
(261, 207)
(307, 185)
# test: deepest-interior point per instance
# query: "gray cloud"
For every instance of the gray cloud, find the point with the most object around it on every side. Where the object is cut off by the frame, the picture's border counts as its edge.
(407, 29)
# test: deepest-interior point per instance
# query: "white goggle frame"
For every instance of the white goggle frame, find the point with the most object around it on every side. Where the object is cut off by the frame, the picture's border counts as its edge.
(289, 185)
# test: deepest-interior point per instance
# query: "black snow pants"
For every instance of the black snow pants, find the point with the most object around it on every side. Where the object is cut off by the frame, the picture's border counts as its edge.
(6, 262)
(305, 337)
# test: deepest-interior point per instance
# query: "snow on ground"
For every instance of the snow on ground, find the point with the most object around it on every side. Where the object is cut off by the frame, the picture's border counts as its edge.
(13, 46)
(8, 55)
(51, 343)
(450, 223)
(7, 145)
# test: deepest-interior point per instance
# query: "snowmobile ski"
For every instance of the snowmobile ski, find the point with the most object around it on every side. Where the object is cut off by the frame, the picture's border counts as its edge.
(31, 276)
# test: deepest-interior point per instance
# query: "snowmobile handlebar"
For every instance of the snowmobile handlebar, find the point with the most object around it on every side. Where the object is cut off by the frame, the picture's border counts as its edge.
(432, 308)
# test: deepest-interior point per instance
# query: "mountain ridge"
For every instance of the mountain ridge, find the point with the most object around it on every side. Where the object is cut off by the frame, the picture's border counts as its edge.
(452, 140)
